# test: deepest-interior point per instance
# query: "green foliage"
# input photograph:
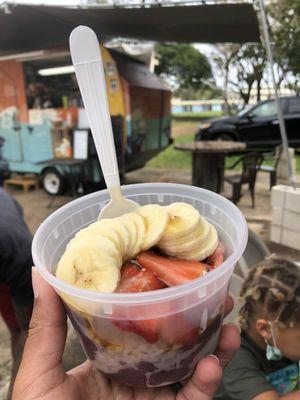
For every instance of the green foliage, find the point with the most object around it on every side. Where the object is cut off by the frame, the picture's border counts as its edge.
(285, 15)
(249, 63)
(196, 115)
(203, 93)
(184, 64)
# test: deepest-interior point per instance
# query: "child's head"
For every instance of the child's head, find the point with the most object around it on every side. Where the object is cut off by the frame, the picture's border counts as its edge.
(271, 304)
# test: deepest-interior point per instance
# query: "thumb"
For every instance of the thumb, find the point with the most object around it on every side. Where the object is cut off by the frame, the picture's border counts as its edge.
(47, 334)
(205, 381)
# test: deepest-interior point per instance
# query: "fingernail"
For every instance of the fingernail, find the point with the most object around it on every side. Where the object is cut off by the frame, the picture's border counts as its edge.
(34, 278)
(215, 357)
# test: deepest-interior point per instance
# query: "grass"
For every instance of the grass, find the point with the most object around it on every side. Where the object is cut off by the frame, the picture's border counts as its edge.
(178, 124)
(196, 115)
(172, 158)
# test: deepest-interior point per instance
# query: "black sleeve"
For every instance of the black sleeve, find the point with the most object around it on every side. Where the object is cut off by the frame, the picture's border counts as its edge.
(243, 378)
(18, 207)
(16, 263)
(15, 246)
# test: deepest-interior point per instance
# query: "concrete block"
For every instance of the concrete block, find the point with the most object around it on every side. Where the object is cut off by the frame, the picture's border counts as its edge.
(275, 233)
(286, 237)
(286, 197)
(286, 219)
(277, 216)
(278, 195)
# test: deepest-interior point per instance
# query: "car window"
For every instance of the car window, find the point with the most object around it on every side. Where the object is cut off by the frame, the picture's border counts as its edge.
(265, 110)
(293, 106)
(245, 110)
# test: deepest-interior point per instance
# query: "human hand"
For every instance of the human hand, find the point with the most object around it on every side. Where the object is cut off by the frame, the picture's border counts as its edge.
(42, 377)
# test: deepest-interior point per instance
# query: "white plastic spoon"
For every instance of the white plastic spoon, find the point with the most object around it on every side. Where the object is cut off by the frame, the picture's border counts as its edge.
(88, 65)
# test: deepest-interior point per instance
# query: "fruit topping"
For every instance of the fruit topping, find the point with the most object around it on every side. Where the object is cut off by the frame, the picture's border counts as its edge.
(217, 257)
(135, 279)
(170, 270)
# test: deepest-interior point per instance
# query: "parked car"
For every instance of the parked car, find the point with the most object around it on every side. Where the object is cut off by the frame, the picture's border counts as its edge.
(257, 125)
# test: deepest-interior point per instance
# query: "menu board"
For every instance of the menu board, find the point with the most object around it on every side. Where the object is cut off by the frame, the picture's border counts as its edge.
(80, 148)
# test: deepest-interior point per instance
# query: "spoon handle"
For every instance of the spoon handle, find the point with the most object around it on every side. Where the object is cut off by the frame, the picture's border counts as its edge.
(88, 65)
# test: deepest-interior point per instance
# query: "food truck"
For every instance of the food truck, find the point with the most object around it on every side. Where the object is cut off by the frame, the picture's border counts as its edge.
(45, 128)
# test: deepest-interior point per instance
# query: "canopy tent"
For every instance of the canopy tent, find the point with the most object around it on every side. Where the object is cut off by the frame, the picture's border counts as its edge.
(29, 27)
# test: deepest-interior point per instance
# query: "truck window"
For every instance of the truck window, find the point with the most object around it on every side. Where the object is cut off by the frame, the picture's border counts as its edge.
(293, 106)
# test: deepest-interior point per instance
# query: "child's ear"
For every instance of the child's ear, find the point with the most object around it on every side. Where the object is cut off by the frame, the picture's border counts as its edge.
(263, 328)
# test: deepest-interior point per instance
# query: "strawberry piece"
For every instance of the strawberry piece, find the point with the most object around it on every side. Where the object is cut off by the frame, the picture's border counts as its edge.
(172, 271)
(217, 257)
(135, 279)
(146, 328)
(176, 330)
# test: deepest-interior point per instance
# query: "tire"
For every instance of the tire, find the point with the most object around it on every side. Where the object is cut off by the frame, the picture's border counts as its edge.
(224, 136)
(53, 182)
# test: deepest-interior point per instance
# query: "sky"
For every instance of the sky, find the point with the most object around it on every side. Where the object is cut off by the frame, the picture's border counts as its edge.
(208, 50)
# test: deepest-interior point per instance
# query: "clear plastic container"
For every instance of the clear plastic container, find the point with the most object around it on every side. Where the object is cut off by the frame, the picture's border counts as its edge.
(189, 316)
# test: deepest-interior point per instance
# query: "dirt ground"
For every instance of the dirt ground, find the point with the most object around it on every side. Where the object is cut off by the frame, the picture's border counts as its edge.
(37, 206)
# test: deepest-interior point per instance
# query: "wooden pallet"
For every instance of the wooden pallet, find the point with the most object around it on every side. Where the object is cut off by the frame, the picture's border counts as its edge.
(25, 182)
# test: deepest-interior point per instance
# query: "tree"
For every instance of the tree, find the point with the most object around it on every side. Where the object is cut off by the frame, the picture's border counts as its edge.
(203, 93)
(226, 54)
(249, 66)
(183, 66)
(285, 21)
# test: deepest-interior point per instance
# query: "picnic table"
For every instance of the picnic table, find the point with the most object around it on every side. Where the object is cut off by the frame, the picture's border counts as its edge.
(208, 161)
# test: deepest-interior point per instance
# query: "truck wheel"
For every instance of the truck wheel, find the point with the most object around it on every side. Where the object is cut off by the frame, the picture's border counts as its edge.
(52, 182)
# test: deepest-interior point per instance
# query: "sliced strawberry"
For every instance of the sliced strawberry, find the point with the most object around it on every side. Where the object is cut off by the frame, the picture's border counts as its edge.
(176, 330)
(171, 270)
(135, 279)
(146, 328)
(217, 257)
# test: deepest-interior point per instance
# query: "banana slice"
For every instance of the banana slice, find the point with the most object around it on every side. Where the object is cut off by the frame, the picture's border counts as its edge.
(109, 237)
(98, 229)
(141, 227)
(109, 228)
(122, 231)
(188, 243)
(136, 226)
(184, 220)
(90, 263)
(157, 219)
(207, 248)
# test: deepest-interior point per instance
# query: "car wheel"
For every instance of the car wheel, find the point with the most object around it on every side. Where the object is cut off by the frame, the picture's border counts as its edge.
(53, 182)
(223, 136)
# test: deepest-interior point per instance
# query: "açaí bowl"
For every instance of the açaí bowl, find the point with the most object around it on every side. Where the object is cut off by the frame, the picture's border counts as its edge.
(119, 354)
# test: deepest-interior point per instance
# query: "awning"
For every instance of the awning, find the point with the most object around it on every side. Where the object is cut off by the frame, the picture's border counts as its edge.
(29, 27)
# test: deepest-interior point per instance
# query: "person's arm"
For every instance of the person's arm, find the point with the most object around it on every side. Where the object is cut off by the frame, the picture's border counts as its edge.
(272, 395)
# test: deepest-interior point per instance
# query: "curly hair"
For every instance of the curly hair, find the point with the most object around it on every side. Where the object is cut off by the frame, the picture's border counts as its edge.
(272, 288)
